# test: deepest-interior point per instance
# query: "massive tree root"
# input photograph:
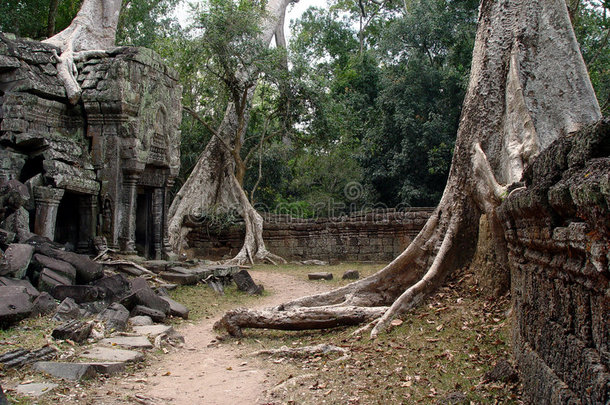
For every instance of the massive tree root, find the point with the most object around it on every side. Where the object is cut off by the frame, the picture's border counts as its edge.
(525, 57)
(93, 29)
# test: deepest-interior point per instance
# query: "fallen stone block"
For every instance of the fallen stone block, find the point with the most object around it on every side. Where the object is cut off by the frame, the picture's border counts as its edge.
(351, 275)
(35, 389)
(58, 266)
(117, 286)
(74, 330)
(176, 308)
(15, 305)
(67, 310)
(146, 296)
(79, 293)
(155, 315)
(21, 357)
(320, 276)
(86, 269)
(106, 354)
(140, 320)
(114, 317)
(244, 282)
(44, 304)
(135, 342)
(13, 282)
(16, 260)
(152, 330)
(180, 278)
(49, 280)
(77, 371)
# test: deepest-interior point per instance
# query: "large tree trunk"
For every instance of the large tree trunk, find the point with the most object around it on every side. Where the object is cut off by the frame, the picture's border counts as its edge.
(213, 185)
(528, 86)
(93, 29)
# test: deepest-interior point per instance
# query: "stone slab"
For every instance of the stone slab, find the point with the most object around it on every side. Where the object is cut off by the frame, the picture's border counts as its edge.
(67, 371)
(140, 320)
(135, 342)
(152, 330)
(35, 389)
(78, 371)
(320, 276)
(112, 355)
(16, 260)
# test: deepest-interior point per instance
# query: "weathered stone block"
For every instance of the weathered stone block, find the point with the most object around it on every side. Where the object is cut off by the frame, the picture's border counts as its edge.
(115, 317)
(49, 279)
(147, 297)
(320, 276)
(140, 310)
(15, 305)
(16, 260)
(74, 330)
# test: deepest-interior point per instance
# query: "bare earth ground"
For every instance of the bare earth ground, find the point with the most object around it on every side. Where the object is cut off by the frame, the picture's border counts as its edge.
(438, 354)
(205, 371)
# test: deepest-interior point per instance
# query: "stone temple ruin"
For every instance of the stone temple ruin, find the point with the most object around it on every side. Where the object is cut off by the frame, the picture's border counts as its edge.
(103, 167)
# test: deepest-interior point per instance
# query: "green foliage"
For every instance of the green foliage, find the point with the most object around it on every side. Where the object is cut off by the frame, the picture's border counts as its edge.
(592, 28)
(29, 18)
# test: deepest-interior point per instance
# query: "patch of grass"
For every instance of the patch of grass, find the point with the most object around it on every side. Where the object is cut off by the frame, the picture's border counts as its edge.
(300, 271)
(204, 302)
(443, 347)
(31, 333)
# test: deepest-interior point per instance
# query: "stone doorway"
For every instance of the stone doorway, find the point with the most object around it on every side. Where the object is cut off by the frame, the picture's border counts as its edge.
(67, 224)
(144, 222)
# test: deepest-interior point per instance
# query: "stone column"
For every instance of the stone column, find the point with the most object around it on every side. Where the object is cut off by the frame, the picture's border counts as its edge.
(87, 212)
(158, 205)
(47, 202)
(127, 236)
(167, 199)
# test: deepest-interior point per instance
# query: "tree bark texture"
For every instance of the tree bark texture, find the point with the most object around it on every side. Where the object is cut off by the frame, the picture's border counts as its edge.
(528, 86)
(213, 184)
(93, 29)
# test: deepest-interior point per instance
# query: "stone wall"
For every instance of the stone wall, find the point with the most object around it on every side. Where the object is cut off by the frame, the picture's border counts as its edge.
(103, 167)
(558, 232)
(379, 236)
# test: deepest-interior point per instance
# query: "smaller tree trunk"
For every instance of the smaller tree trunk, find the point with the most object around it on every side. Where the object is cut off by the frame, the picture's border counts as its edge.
(53, 5)
(296, 319)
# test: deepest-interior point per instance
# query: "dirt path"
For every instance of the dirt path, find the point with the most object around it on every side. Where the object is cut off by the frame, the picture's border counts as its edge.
(205, 373)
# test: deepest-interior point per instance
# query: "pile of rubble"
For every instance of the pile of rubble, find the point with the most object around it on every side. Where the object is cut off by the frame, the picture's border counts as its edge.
(112, 306)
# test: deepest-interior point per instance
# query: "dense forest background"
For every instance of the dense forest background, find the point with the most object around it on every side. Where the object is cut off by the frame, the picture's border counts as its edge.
(367, 112)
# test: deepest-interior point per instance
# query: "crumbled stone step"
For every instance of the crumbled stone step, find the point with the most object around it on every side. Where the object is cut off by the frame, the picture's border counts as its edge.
(135, 342)
(78, 371)
(320, 276)
(140, 320)
(153, 330)
(35, 389)
(180, 278)
(107, 354)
